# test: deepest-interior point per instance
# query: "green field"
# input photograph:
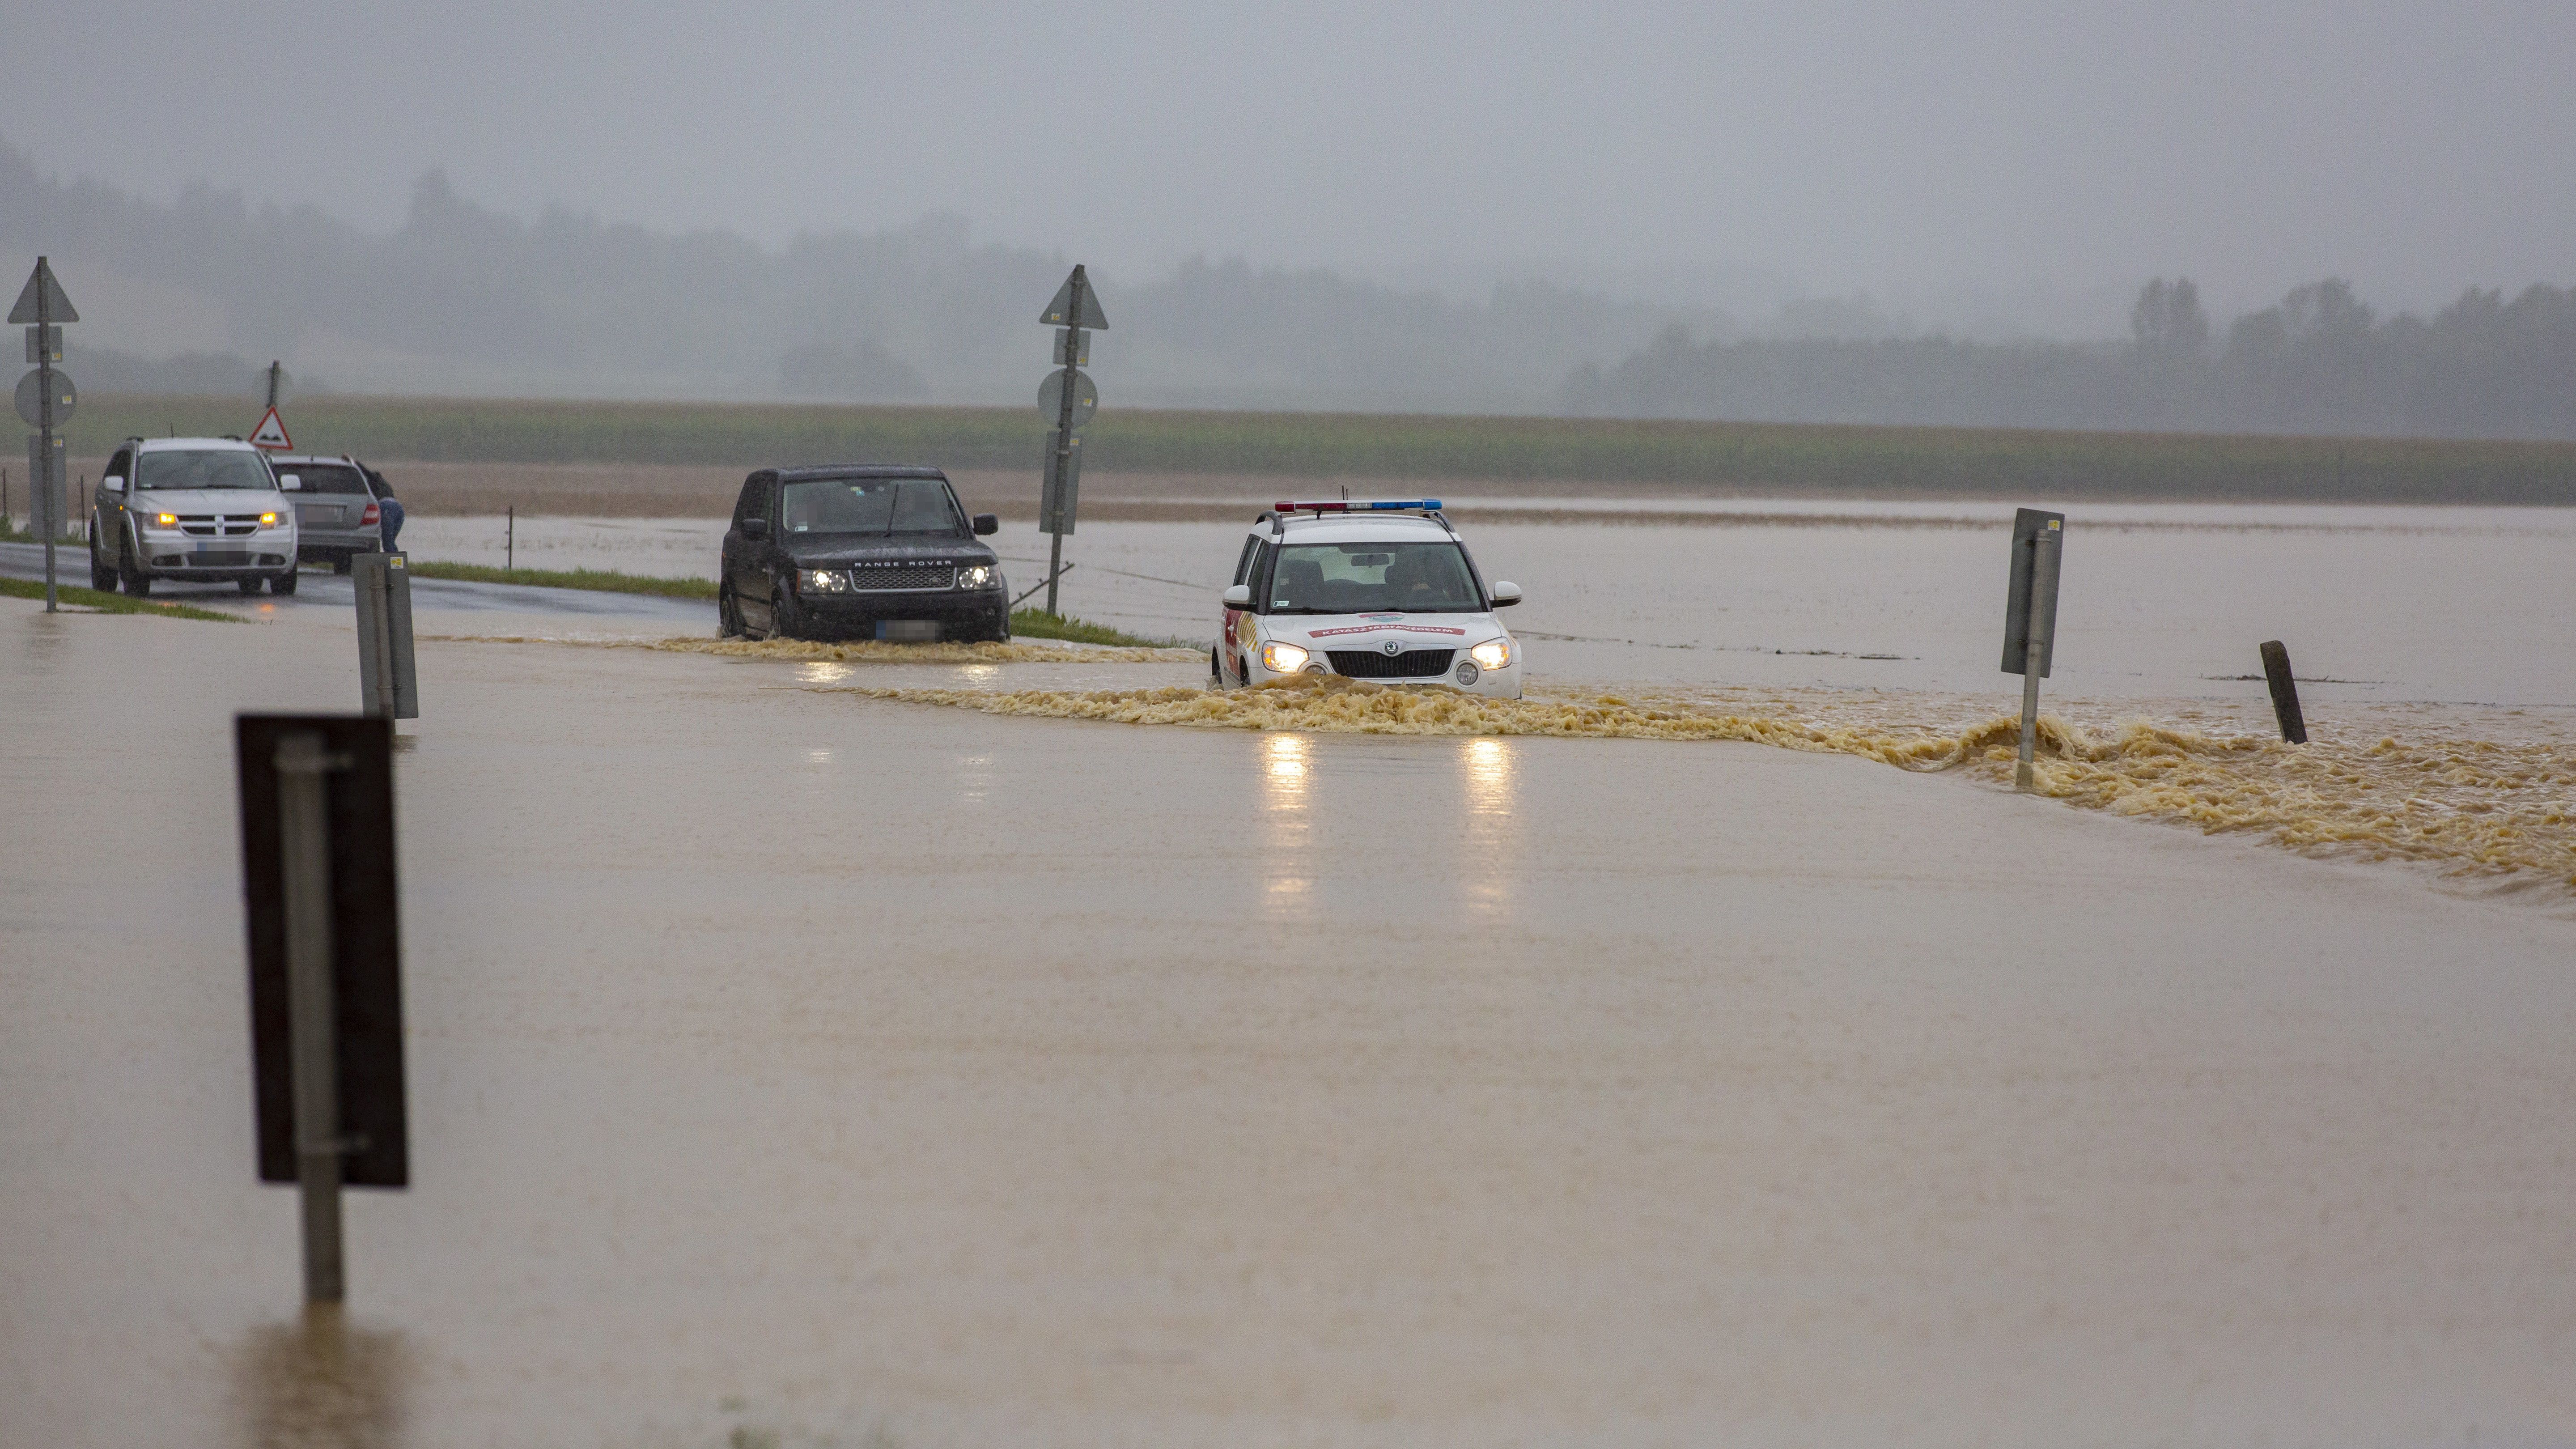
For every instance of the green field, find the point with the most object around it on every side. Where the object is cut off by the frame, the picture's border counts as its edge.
(1721, 457)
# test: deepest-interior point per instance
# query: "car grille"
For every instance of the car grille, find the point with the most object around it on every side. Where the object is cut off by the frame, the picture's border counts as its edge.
(1411, 664)
(877, 578)
(218, 525)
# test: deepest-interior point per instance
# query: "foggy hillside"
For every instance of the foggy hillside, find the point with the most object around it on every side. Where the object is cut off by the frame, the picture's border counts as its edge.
(465, 300)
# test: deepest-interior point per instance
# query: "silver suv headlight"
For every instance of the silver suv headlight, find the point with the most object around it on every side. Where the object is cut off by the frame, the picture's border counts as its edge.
(974, 576)
(823, 581)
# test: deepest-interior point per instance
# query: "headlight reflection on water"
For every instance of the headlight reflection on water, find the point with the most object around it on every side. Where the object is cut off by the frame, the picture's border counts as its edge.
(824, 673)
(1492, 779)
(1289, 874)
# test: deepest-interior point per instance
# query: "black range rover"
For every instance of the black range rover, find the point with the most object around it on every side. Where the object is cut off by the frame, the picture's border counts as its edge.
(862, 550)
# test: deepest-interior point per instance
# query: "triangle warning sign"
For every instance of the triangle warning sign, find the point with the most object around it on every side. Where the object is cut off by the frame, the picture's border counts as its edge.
(271, 433)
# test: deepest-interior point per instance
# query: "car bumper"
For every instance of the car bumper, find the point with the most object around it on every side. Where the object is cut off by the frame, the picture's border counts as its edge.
(330, 543)
(976, 608)
(1504, 683)
(248, 558)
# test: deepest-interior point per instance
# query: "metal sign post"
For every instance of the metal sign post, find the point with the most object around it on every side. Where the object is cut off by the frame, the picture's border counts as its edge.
(2030, 619)
(325, 968)
(1071, 399)
(45, 401)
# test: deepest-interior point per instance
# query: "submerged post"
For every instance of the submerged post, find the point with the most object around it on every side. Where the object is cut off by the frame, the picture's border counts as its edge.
(2285, 692)
(304, 848)
(317, 835)
(2030, 621)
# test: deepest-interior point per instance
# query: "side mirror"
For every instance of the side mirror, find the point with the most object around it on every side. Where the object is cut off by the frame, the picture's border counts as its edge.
(987, 523)
(290, 482)
(1239, 597)
(755, 528)
(1506, 594)
(114, 485)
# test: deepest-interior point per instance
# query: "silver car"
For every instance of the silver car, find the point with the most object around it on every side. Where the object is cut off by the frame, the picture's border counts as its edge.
(191, 510)
(337, 508)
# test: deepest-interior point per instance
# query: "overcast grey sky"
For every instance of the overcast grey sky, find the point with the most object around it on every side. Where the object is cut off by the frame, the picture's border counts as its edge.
(1904, 149)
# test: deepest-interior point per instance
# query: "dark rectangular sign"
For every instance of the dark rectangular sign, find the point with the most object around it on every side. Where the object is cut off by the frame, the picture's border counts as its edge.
(366, 946)
(2034, 529)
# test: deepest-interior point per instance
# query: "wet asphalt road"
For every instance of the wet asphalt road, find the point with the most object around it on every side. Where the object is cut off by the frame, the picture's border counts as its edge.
(323, 590)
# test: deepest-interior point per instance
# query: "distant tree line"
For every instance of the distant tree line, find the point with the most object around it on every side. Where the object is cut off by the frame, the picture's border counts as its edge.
(2320, 362)
(461, 299)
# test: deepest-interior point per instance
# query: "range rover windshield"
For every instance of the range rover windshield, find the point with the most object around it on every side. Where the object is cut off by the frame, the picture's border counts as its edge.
(171, 469)
(1373, 578)
(870, 505)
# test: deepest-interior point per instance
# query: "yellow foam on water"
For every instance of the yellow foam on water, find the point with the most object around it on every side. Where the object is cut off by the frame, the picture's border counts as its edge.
(2473, 806)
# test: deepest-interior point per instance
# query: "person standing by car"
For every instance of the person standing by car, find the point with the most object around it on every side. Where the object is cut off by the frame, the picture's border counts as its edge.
(389, 509)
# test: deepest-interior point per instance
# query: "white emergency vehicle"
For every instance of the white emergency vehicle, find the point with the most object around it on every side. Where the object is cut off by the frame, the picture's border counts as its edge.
(1382, 591)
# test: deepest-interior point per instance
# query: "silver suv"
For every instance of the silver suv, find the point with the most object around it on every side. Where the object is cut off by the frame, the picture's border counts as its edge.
(338, 508)
(191, 510)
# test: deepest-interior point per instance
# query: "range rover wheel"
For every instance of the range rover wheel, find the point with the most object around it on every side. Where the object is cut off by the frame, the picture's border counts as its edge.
(278, 583)
(786, 621)
(728, 615)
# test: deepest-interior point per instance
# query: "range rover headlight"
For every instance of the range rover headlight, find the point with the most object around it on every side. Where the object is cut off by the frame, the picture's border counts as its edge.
(1493, 653)
(823, 581)
(974, 576)
(1282, 658)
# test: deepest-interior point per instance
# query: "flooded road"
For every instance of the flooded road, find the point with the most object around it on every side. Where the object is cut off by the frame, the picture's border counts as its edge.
(847, 1070)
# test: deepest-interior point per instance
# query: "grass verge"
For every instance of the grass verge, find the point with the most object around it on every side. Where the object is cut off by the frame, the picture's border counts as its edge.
(106, 603)
(606, 581)
(1830, 459)
(1039, 624)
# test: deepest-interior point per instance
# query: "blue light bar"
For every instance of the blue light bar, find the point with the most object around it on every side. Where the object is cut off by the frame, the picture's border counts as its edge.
(1382, 505)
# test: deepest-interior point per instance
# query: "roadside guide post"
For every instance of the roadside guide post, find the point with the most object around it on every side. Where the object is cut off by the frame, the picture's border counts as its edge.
(325, 967)
(388, 686)
(1070, 399)
(45, 401)
(2030, 619)
(2285, 692)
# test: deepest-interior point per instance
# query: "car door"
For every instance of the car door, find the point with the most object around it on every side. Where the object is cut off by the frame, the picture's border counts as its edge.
(108, 530)
(746, 559)
(1254, 567)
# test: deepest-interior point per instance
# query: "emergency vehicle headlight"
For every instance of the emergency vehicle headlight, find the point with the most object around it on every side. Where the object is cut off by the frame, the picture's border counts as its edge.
(1493, 653)
(1282, 658)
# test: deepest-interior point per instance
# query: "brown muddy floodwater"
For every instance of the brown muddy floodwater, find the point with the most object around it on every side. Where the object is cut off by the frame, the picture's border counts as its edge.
(798, 1065)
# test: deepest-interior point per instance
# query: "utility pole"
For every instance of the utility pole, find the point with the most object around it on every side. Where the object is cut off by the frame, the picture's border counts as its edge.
(45, 401)
(1071, 399)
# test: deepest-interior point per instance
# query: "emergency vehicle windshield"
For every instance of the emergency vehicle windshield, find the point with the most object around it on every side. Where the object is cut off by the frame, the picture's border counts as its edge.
(1373, 578)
